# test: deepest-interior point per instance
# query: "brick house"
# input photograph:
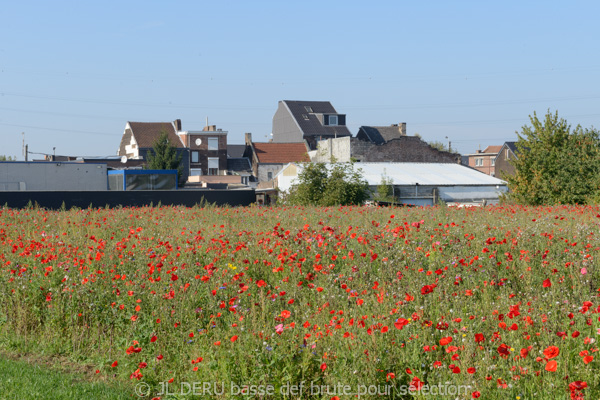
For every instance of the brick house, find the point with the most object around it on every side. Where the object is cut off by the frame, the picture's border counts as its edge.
(310, 121)
(267, 159)
(204, 153)
(508, 152)
(208, 150)
(139, 137)
(484, 161)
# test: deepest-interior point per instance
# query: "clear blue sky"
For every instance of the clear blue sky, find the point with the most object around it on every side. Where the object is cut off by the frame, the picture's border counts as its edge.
(73, 72)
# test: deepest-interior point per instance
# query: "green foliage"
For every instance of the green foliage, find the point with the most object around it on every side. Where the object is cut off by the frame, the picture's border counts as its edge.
(7, 158)
(438, 145)
(555, 165)
(339, 185)
(385, 189)
(164, 155)
(22, 380)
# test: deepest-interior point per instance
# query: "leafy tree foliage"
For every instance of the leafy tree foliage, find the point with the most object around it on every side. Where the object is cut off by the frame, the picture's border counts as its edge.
(439, 145)
(318, 185)
(555, 165)
(7, 158)
(385, 189)
(164, 155)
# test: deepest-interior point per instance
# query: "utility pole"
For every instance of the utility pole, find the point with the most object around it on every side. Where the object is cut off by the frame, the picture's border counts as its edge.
(26, 151)
(449, 148)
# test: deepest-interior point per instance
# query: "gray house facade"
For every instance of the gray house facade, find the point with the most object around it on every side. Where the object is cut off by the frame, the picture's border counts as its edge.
(311, 121)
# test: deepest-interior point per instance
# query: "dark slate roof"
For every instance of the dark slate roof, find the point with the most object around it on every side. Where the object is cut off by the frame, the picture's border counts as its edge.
(312, 126)
(235, 150)
(512, 146)
(280, 153)
(239, 164)
(146, 133)
(381, 134)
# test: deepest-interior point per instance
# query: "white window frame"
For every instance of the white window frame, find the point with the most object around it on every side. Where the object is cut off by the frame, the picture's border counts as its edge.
(479, 162)
(195, 157)
(335, 117)
(211, 143)
(493, 162)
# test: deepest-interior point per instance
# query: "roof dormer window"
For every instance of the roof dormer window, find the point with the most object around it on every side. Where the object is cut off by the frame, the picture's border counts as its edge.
(333, 120)
(308, 109)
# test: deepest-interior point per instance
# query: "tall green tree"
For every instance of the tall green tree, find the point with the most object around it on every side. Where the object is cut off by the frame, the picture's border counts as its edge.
(385, 189)
(340, 184)
(555, 164)
(7, 158)
(163, 155)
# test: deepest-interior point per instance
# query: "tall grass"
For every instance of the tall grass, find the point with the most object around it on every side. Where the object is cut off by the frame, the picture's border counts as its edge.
(332, 297)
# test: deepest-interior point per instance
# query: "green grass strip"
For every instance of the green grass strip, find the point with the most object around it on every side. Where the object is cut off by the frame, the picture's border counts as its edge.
(21, 380)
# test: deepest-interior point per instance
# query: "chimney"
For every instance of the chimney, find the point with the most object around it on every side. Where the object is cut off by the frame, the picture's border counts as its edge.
(402, 128)
(248, 136)
(177, 125)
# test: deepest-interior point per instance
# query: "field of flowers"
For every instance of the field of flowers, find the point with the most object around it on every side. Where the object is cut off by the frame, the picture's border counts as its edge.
(323, 303)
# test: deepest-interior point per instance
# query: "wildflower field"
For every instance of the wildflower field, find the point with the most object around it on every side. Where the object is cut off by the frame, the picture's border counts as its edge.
(312, 303)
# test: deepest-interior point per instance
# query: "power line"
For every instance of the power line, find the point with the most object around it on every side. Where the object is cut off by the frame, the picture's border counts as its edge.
(367, 107)
(59, 130)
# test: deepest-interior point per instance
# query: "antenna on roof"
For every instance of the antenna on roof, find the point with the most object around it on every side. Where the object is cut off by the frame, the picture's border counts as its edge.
(207, 121)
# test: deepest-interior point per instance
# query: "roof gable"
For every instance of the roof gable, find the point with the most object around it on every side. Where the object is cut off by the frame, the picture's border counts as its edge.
(280, 153)
(146, 133)
(492, 149)
(382, 134)
(306, 114)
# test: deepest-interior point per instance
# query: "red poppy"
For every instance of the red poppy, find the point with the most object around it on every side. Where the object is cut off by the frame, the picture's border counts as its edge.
(551, 352)
(551, 366)
(416, 384)
(445, 341)
(577, 385)
(547, 283)
(479, 337)
(427, 289)
(401, 323)
(503, 349)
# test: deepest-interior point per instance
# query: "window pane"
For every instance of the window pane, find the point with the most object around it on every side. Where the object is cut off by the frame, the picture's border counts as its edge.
(333, 120)
(195, 156)
(213, 143)
(213, 163)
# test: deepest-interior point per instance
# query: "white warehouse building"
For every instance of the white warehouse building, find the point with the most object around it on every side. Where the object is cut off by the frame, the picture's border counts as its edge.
(420, 184)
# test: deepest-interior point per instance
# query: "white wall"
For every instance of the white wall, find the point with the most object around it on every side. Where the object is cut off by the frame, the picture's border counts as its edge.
(52, 176)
